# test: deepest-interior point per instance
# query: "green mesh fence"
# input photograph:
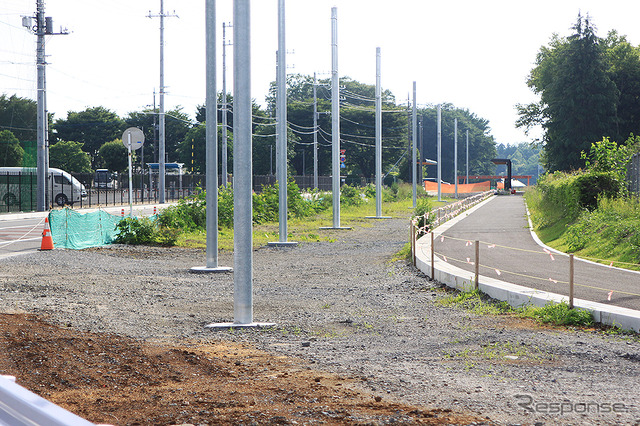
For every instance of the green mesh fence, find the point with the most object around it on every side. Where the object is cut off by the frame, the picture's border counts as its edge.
(73, 230)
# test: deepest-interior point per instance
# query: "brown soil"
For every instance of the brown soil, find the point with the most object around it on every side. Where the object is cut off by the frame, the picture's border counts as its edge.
(111, 379)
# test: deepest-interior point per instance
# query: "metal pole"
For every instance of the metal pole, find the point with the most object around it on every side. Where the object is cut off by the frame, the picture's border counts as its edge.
(130, 176)
(467, 162)
(161, 142)
(414, 150)
(211, 144)
(455, 153)
(335, 119)
(439, 152)
(225, 106)
(42, 172)
(378, 136)
(315, 133)
(242, 170)
(281, 131)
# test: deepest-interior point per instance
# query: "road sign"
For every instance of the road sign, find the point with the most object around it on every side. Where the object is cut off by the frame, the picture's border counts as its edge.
(137, 138)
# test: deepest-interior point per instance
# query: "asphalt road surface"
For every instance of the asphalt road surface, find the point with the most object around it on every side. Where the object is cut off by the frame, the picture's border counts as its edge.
(509, 253)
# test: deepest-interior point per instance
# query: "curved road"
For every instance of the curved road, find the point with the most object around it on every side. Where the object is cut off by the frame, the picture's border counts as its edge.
(509, 253)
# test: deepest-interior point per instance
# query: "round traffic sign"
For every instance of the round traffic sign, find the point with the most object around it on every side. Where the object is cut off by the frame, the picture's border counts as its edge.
(133, 135)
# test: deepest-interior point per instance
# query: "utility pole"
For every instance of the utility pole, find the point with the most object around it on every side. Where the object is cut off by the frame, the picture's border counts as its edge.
(439, 139)
(414, 140)
(42, 28)
(315, 132)
(161, 141)
(281, 130)
(455, 153)
(225, 105)
(467, 181)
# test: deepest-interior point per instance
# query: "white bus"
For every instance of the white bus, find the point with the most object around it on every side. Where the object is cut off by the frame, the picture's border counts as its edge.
(18, 187)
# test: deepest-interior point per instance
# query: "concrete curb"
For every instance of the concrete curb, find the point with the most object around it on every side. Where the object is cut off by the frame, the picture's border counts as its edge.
(515, 295)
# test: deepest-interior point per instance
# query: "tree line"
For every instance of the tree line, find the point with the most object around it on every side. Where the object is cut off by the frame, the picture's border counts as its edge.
(589, 89)
(86, 140)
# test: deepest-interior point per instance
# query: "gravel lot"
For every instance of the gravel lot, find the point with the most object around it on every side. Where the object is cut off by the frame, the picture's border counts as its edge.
(345, 308)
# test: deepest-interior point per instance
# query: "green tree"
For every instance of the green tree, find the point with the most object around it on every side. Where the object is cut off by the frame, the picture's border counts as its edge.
(114, 156)
(623, 61)
(578, 99)
(69, 156)
(357, 126)
(482, 147)
(11, 153)
(91, 127)
(177, 124)
(19, 116)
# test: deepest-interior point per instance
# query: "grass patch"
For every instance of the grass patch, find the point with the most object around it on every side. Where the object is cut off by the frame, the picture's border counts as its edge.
(557, 314)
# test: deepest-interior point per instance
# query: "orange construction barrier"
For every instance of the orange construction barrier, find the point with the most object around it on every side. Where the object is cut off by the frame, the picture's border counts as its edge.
(447, 188)
(47, 241)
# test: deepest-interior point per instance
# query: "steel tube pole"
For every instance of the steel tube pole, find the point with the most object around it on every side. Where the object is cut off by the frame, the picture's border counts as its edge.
(161, 132)
(414, 150)
(242, 169)
(439, 119)
(455, 153)
(281, 131)
(378, 136)
(225, 106)
(315, 132)
(335, 119)
(467, 162)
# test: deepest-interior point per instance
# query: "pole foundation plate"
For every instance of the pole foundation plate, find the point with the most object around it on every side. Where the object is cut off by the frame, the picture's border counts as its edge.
(282, 243)
(207, 270)
(229, 325)
(338, 228)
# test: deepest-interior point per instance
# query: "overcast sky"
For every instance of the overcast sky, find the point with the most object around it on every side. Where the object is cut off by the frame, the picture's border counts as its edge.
(473, 54)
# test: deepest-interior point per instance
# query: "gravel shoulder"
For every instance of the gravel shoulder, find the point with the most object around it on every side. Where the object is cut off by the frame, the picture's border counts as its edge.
(343, 307)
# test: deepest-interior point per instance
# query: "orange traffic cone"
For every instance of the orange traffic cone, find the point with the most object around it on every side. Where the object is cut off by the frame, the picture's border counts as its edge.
(47, 241)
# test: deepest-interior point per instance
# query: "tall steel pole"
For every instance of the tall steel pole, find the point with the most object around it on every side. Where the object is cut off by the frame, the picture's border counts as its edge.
(439, 152)
(414, 139)
(315, 132)
(211, 137)
(242, 169)
(42, 149)
(378, 135)
(467, 162)
(455, 153)
(161, 130)
(335, 119)
(225, 106)
(161, 142)
(281, 127)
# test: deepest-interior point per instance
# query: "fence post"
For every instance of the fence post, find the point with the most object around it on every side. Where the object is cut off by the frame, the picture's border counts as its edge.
(571, 281)
(433, 251)
(477, 265)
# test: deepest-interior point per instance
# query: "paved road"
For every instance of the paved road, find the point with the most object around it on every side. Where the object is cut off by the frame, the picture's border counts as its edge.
(503, 222)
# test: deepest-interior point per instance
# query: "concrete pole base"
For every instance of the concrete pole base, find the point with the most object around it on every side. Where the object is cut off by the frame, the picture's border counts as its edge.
(230, 325)
(282, 243)
(207, 270)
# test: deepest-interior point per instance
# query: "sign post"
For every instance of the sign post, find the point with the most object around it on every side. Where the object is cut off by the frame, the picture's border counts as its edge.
(132, 139)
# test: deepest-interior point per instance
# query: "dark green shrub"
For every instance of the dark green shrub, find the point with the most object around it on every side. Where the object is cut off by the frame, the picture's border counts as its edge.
(350, 196)
(133, 230)
(592, 185)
